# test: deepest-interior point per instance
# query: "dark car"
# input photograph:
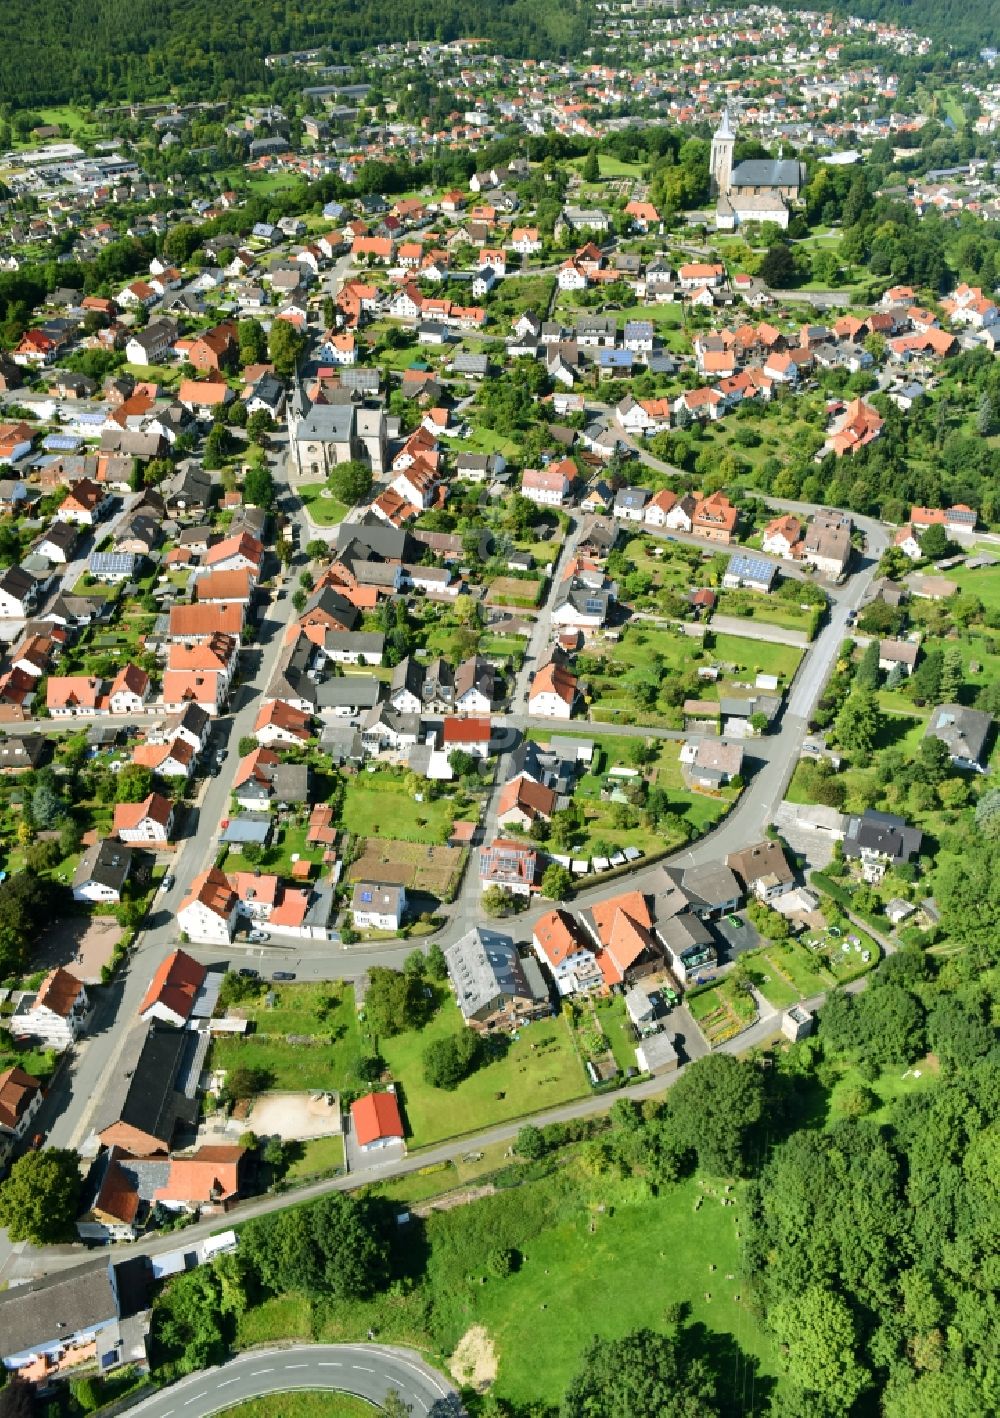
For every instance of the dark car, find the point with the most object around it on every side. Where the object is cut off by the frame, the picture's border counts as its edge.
(283, 975)
(249, 974)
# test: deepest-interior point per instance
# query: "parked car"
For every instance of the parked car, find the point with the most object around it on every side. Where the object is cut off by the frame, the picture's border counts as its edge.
(283, 975)
(258, 937)
(167, 884)
(249, 974)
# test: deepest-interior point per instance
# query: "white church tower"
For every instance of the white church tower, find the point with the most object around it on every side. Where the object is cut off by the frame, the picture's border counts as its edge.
(721, 161)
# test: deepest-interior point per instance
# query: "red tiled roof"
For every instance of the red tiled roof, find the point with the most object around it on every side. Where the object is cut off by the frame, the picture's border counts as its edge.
(376, 1116)
(175, 984)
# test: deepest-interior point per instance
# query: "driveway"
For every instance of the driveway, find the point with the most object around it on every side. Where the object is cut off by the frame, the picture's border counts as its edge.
(734, 940)
(358, 1161)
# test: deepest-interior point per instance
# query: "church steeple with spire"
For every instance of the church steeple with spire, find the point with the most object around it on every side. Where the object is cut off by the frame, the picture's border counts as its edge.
(721, 161)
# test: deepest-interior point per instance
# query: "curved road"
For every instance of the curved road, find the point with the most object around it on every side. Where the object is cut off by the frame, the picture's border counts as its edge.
(368, 1371)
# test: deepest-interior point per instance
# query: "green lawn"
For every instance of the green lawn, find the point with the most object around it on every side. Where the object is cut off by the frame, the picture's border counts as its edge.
(319, 1155)
(646, 651)
(785, 972)
(483, 440)
(302, 1405)
(502, 647)
(540, 1070)
(767, 610)
(761, 656)
(618, 1029)
(324, 511)
(612, 1271)
(325, 1012)
(891, 1085)
(287, 844)
(378, 805)
(596, 1255)
(983, 582)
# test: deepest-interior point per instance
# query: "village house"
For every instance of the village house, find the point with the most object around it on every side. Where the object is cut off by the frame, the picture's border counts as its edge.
(763, 870)
(376, 1122)
(56, 1015)
(102, 872)
(563, 947)
(151, 821)
(492, 984)
(207, 915)
(178, 982)
(376, 906)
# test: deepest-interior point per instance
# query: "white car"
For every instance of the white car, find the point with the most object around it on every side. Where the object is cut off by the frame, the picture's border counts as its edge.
(258, 937)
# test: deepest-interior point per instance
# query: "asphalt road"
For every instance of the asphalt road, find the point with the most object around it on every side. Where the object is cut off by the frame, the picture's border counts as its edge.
(369, 1371)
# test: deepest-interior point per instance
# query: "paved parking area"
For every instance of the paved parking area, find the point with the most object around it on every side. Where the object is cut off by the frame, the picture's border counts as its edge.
(81, 944)
(734, 940)
(389, 1155)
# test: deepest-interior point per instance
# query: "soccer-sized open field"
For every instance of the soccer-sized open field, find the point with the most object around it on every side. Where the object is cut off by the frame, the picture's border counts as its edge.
(410, 864)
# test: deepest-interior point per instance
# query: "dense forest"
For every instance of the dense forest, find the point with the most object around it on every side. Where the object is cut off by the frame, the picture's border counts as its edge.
(964, 24)
(93, 51)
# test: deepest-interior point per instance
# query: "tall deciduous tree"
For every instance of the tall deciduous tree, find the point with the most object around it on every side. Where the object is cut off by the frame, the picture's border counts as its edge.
(714, 1108)
(38, 1201)
(285, 345)
(638, 1376)
(351, 482)
(820, 1339)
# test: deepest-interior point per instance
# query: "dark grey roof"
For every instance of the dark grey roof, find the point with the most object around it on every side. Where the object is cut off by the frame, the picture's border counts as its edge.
(408, 676)
(883, 834)
(711, 884)
(767, 172)
(334, 604)
(363, 642)
(248, 827)
(682, 932)
(328, 423)
(486, 971)
(56, 1307)
(107, 862)
(963, 731)
(348, 691)
(23, 751)
(389, 543)
(142, 1091)
(63, 535)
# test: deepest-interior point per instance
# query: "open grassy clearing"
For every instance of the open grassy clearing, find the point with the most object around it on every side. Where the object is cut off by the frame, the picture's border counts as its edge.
(322, 1013)
(609, 1273)
(888, 1087)
(376, 805)
(595, 1255)
(540, 1070)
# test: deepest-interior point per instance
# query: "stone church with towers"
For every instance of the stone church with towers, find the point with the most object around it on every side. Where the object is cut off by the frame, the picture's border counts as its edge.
(755, 190)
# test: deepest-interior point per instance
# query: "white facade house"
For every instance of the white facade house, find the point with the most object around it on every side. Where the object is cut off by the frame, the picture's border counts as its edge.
(209, 912)
(56, 1016)
(565, 951)
(378, 907)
